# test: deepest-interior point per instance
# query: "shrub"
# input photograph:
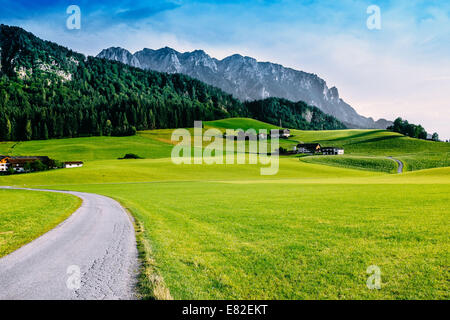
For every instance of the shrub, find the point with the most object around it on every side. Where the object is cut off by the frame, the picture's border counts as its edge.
(131, 156)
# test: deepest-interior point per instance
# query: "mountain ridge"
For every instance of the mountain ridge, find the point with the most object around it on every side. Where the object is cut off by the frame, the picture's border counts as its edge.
(49, 91)
(248, 79)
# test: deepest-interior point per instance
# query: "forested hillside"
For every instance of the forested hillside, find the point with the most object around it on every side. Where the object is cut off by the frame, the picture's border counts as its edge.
(292, 114)
(48, 91)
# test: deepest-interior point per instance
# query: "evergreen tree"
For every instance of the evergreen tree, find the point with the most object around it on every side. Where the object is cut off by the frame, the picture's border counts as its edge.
(28, 131)
(5, 127)
(45, 132)
(108, 128)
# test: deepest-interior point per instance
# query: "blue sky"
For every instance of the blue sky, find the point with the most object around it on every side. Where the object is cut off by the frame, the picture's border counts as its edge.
(401, 70)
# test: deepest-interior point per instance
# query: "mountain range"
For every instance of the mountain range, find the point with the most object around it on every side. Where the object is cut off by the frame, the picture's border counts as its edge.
(49, 91)
(247, 79)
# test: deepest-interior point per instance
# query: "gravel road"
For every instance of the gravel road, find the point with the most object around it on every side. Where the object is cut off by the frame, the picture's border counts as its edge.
(400, 165)
(91, 255)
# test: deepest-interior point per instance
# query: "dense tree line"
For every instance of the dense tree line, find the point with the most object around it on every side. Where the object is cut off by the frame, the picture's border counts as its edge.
(297, 115)
(411, 130)
(48, 91)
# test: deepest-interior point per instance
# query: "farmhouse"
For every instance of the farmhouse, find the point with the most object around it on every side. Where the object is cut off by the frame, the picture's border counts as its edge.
(309, 148)
(3, 163)
(73, 164)
(332, 151)
(246, 135)
(18, 163)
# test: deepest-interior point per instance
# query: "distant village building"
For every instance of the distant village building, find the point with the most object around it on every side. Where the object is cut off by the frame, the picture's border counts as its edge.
(242, 135)
(332, 151)
(309, 148)
(18, 163)
(262, 136)
(73, 164)
(283, 133)
(3, 164)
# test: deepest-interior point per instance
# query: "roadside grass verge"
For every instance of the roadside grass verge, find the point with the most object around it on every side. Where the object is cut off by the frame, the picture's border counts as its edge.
(26, 215)
(150, 284)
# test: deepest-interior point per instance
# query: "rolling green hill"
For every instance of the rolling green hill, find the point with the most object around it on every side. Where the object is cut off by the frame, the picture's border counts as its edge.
(416, 154)
(365, 149)
(355, 162)
(240, 123)
(88, 149)
(372, 142)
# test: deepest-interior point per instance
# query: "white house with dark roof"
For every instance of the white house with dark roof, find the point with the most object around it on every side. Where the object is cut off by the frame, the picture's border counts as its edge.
(73, 164)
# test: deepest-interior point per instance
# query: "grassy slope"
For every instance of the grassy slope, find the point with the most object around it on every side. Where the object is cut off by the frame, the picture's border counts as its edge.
(25, 215)
(92, 148)
(240, 123)
(416, 154)
(162, 170)
(378, 144)
(309, 232)
(365, 163)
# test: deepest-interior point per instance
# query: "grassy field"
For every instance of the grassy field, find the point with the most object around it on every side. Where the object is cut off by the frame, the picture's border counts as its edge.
(309, 232)
(239, 123)
(220, 241)
(25, 215)
(355, 162)
(163, 170)
(416, 154)
(425, 160)
(366, 144)
(305, 236)
(92, 148)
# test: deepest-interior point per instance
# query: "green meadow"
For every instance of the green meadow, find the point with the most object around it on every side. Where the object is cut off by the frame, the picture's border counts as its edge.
(25, 215)
(356, 162)
(414, 153)
(239, 123)
(309, 232)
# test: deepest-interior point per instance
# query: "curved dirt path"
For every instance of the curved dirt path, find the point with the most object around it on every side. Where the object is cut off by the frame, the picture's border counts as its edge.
(91, 255)
(400, 165)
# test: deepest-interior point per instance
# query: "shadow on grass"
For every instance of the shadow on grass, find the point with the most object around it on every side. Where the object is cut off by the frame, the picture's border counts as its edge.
(375, 140)
(358, 135)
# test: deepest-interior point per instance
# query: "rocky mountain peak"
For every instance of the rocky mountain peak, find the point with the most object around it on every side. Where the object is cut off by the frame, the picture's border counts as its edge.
(247, 79)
